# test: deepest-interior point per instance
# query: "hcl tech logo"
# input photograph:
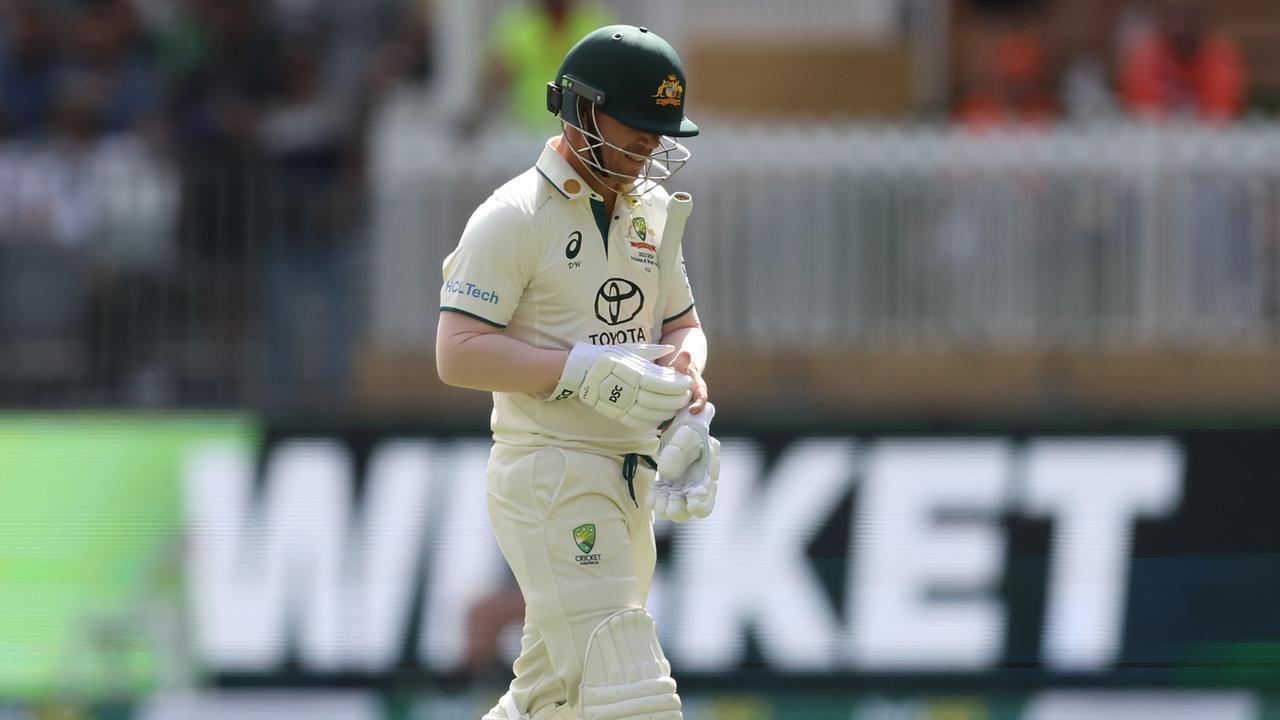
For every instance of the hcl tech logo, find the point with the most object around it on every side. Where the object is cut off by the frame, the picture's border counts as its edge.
(470, 289)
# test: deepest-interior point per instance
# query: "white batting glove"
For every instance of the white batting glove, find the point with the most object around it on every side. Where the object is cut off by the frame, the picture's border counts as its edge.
(622, 382)
(688, 468)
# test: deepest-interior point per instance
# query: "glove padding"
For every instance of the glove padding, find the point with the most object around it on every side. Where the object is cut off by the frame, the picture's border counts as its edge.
(688, 468)
(623, 383)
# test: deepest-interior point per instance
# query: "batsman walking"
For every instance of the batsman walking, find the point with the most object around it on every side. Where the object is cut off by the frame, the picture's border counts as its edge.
(567, 299)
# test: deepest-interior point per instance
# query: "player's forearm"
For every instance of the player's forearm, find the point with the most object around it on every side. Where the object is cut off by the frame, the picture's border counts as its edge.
(497, 363)
(686, 339)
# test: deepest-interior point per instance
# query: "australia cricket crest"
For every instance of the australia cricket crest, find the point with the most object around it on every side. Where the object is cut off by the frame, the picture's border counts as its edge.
(642, 248)
(585, 536)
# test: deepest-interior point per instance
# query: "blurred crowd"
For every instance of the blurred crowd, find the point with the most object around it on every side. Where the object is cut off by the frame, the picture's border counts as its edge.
(1151, 59)
(183, 209)
(243, 122)
(195, 76)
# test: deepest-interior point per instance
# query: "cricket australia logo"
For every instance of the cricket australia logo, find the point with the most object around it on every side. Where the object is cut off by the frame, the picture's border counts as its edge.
(670, 91)
(584, 536)
(640, 229)
(618, 301)
(642, 248)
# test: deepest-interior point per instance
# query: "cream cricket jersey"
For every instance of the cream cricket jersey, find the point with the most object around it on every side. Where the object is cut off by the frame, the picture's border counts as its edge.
(542, 259)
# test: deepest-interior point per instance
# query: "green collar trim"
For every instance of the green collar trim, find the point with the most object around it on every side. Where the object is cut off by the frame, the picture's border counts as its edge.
(602, 222)
(557, 171)
(552, 183)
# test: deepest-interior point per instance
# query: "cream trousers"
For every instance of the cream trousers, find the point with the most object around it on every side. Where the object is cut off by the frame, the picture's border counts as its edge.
(580, 547)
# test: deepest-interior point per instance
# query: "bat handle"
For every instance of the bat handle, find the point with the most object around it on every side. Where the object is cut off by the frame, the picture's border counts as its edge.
(679, 205)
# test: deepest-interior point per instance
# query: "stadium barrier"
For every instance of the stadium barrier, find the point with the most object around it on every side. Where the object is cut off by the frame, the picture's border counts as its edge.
(223, 283)
(900, 237)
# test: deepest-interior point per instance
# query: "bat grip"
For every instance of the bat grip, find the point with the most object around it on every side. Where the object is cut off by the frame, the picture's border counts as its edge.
(679, 205)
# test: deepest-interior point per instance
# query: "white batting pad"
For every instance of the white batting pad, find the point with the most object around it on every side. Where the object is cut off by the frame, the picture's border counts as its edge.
(625, 675)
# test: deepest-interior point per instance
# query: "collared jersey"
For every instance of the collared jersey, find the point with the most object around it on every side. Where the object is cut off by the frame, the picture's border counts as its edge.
(542, 259)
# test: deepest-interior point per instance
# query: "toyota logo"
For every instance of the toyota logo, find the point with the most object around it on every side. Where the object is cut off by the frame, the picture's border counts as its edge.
(618, 301)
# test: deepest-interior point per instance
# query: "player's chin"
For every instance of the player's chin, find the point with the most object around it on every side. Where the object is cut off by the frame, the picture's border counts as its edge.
(622, 186)
(627, 173)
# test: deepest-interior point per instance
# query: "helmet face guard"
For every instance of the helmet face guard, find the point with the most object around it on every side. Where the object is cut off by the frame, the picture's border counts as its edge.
(659, 166)
(636, 78)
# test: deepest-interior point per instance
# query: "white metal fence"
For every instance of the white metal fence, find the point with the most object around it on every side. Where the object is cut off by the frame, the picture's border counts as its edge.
(907, 237)
(124, 278)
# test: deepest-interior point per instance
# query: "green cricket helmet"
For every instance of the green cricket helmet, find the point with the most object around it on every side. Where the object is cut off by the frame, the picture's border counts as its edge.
(630, 74)
(635, 77)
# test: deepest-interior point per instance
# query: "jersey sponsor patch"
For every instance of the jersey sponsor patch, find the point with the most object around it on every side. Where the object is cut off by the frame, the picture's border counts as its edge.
(470, 289)
(618, 301)
(619, 337)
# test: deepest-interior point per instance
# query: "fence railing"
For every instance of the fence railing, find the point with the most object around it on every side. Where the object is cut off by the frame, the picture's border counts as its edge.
(127, 278)
(823, 237)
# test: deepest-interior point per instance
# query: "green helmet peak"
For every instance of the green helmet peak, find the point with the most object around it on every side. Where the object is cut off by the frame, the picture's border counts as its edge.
(628, 73)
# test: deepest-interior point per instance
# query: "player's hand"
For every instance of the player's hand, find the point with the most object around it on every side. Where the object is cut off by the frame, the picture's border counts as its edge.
(683, 364)
(688, 468)
(622, 382)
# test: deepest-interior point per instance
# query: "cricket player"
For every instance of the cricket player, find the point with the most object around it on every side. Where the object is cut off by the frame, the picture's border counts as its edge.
(567, 299)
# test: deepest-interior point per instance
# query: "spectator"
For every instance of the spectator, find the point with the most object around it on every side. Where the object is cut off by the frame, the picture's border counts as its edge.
(1183, 68)
(404, 55)
(29, 68)
(223, 55)
(56, 201)
(52, 219)
(309, 309)
(528, 42)
(107, 49)
(1087, 84)
(1010, 77)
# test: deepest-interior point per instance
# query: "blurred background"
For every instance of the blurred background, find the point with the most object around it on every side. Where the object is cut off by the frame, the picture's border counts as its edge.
(992, 288)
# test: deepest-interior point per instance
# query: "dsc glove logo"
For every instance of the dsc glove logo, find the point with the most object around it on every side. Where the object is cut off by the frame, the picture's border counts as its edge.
(585, 537)
(618, 301)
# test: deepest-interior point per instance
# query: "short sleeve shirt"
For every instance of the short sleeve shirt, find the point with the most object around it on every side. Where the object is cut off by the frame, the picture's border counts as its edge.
(542, 259)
